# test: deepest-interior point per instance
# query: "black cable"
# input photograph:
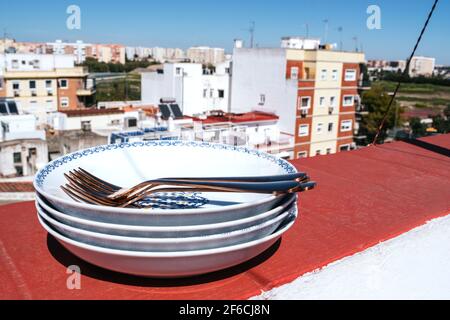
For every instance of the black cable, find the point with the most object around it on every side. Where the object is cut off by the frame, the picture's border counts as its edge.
(405, 72)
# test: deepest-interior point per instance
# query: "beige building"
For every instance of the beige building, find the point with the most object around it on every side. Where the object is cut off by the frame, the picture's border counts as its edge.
(107, 53)
(206, 55)
(314, 93)
(422, 66)
(45, 83)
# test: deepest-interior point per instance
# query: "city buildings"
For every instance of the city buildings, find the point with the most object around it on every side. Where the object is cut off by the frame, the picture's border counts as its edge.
(419, 66)
(23, 146)
(384, 65)
(108, 53)
(78, 49)
(206, 55)
(157, 54)
(45, 83)
(193, 87)
(314, 93)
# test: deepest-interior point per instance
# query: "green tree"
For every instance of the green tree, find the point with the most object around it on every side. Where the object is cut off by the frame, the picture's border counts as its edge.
(417, 127)
(376, 100)
(441, 124)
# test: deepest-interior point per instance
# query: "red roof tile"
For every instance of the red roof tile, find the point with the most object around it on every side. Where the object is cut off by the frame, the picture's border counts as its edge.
(15, 187)
(92, 112)
(255, 116)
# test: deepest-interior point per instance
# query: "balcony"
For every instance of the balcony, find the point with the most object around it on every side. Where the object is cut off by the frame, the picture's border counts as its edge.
(86, 92)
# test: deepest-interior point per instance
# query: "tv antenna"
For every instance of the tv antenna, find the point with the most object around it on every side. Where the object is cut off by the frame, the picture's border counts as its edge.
(355, 38)
(326, 21)
(251, 30)
(340, 30)
(306, 25)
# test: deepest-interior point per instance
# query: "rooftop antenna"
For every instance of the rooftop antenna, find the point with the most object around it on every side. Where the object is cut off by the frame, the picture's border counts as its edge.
(5, 34)
(326, 21)
(252, 33)
(355, 38)
(340, 29)
(307, 30)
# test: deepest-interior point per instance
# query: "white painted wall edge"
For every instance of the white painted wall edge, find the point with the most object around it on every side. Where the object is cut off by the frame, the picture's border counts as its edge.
(414, 265)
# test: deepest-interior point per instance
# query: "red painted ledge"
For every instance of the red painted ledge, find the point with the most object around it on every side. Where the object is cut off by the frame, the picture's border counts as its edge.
(364, 197)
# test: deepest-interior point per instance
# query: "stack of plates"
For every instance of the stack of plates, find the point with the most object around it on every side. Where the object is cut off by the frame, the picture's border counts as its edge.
(180, 234)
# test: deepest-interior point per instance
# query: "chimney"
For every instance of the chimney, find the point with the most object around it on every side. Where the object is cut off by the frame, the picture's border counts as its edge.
(238, 43)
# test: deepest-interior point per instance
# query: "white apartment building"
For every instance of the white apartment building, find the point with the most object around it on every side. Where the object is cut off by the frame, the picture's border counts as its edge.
(206, 55)
(422, 66)
(23, 147)
(196, 90)
(158, 54)
(140, 53)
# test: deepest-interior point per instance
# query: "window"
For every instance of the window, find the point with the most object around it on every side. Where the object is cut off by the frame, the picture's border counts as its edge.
(178, 71)
(132, 122)
(32, 152)
(303, 130)
(319, 128)
(350, 75)
(345, 147)
(64, 102)
(334, 75)
(330, 127)
(205, 93)
(17, 156)
(323, 74)
(333, 101)
(211, 93)
(15, 64)
(221, 94)
(48, 84)
(304, 103)
(322, 101)
(16, 86)
(318, 152)
(349, 101)
(63, 84)
(328, 150)
(1, 83)
(262, 99)
(346, 125)
(302, 154)
(294, 73)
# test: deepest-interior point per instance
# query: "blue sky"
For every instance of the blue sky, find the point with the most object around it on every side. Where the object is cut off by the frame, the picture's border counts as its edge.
(182, 24)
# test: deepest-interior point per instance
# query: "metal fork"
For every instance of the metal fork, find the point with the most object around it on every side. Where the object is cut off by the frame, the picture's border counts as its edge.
(86, 187)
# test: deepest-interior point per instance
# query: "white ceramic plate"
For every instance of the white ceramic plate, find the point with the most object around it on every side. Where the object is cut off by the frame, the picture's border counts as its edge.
(169, 244)
(163, 232)
(128, 164)
(169, 264)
